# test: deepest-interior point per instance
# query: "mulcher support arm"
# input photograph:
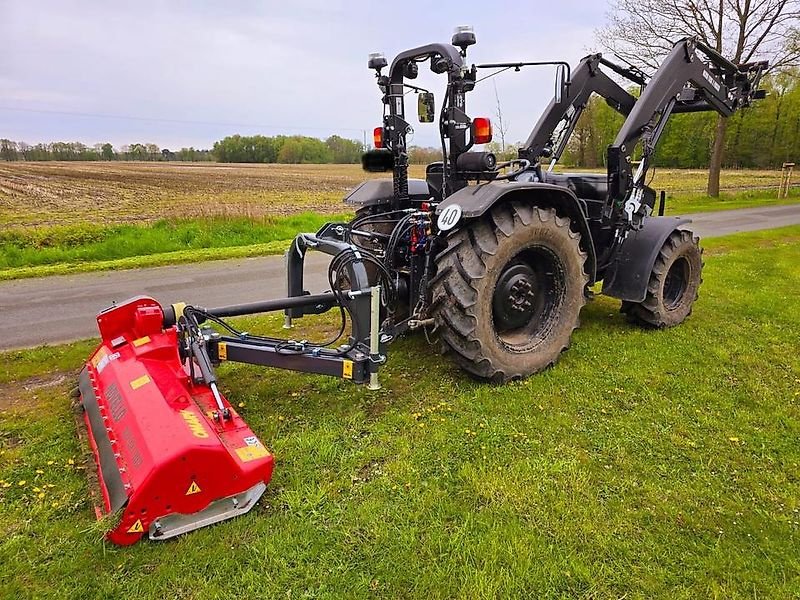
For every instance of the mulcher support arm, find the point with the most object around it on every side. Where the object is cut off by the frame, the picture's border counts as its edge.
(358, 303)
(693, 77)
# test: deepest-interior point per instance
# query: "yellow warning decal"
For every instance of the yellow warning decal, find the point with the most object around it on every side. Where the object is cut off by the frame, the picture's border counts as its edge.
(194, 424)
(136, 527)
(140, 381)
(193, 489)
(249, 453)
(347, 369)
(178, 308)
(101, 354)
(141, 341)
(222, 351)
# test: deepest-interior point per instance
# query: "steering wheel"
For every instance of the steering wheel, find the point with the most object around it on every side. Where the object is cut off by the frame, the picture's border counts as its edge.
(524, 165)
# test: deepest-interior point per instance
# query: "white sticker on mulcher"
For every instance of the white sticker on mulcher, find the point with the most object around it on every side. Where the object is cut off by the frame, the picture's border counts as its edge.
(449, 217)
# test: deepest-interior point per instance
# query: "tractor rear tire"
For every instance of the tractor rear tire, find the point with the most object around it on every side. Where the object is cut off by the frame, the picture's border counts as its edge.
(673, 286)
(508, 291)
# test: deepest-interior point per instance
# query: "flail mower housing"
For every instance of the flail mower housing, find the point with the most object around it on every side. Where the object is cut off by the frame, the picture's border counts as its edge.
(168, 461)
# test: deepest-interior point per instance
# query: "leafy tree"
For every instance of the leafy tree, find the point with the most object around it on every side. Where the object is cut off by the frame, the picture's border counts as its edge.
(301, 149)
(502, 151)
(8, 150)
(107, 151)
(283, 149)
(136, 152)
(418, 155)
(344, 151)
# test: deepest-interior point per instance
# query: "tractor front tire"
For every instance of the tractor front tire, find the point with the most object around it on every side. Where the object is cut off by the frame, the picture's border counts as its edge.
(508, 291)
(673, 286)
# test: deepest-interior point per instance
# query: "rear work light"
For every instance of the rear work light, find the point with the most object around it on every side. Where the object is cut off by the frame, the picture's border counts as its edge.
(481, 130)
(377, 137)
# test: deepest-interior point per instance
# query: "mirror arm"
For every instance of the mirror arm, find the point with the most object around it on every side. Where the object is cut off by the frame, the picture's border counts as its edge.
(518, 65)
(415, 88)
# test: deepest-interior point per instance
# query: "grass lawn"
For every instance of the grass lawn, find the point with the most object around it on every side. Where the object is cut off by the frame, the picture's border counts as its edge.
(646, 464)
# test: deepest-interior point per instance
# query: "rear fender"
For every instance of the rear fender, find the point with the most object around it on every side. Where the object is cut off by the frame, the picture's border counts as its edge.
(379, 192)
(629, 274)
(475, 201)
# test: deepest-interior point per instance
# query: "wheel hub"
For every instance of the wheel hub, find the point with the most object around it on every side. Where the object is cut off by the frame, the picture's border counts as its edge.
(676, 283)
(514, 300)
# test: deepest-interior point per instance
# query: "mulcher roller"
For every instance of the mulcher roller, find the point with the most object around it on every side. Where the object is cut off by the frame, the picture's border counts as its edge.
(167, 461)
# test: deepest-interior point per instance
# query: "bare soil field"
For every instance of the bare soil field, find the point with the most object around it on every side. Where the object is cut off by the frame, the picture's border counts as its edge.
(69, 193)
(53, 193)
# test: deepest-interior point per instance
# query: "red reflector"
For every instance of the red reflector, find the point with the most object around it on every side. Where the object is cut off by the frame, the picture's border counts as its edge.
(377, 137)
(481, 130)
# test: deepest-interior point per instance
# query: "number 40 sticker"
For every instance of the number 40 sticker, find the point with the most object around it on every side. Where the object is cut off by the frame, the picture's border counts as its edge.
(449, 217)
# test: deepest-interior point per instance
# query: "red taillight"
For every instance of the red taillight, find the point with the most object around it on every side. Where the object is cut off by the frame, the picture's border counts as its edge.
(481, 130)
(377, 137)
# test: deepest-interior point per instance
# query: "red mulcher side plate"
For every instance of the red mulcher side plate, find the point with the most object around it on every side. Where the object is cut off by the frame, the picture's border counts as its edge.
(162, 459)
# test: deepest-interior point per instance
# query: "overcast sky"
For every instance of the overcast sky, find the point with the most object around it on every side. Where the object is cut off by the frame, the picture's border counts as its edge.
(188, 73)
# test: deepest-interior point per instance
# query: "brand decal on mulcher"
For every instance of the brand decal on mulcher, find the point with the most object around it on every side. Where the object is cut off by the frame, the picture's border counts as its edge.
(195, 426)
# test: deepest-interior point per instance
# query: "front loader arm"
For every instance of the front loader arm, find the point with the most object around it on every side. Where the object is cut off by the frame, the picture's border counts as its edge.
(587, 79)
(692, 78)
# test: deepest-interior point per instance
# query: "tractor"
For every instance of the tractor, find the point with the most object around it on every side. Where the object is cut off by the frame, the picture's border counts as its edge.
(499, 257)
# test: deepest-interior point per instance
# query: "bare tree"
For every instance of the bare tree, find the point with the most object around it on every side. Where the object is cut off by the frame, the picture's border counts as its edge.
(502, 125)
(743, 30)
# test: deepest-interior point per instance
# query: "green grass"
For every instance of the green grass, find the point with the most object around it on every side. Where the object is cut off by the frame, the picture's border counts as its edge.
(686, 203)
(646, 464)
(58, 250)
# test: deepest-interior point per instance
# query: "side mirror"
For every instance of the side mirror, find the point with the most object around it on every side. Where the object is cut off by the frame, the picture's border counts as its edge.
(426, 107)
(562, 84)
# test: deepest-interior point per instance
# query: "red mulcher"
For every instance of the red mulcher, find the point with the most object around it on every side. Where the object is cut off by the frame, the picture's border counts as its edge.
(172, 454)
(166, 458)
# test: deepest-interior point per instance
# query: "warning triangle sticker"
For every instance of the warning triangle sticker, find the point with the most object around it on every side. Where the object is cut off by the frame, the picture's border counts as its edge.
(136, 527)
(193, 489)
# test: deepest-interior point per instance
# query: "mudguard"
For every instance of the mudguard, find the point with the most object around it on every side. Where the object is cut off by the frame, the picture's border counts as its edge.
(478, 199)
(628, 275)
(376, 192)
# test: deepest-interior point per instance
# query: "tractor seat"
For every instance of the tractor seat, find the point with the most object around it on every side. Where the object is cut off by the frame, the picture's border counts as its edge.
(589, 186)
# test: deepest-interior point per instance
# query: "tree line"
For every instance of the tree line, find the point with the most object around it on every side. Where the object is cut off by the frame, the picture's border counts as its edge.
(296, 149)
(764, 135)
(77, 151)
(234, 148)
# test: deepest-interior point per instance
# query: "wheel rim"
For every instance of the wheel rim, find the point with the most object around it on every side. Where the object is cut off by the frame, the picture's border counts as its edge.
(676, 282)
(527, 298)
